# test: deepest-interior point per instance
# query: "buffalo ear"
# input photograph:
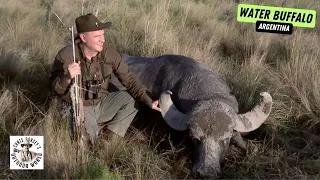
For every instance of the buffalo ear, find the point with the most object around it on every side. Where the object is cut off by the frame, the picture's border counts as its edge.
(238, 140)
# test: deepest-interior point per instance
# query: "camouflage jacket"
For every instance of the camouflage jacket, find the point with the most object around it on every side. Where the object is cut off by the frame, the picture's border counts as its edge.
(91, 70)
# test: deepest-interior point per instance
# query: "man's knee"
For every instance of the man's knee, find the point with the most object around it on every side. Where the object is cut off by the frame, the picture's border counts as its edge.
(130, 101)
(125, 95)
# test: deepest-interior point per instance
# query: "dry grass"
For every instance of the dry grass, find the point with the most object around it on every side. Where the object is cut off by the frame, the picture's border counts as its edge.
(287, 66)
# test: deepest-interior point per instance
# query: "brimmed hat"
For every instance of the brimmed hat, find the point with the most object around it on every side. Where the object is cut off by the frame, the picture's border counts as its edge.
(90, 22)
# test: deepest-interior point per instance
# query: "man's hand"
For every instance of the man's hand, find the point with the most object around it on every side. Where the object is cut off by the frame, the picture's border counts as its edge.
(74, 69)
(154, 106)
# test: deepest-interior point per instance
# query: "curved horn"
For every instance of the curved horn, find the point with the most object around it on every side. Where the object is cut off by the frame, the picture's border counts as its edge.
(253, 119)
(174, 118)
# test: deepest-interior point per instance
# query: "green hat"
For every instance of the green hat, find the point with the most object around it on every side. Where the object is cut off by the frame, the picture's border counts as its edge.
(89, 22)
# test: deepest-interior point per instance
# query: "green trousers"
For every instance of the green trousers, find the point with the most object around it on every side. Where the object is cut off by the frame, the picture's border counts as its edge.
(116, 111)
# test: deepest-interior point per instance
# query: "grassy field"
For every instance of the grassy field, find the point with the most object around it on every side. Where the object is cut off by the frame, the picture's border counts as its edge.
(287, 66)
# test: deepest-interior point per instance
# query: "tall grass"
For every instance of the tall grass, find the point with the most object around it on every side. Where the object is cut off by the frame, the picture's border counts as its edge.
(286, 146)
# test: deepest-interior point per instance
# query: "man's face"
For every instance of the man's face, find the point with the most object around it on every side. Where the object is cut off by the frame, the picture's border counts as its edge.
(94, 40)
(25, 148)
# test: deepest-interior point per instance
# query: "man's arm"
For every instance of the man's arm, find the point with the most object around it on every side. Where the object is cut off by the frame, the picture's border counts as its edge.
(60, 79)
(129, 79)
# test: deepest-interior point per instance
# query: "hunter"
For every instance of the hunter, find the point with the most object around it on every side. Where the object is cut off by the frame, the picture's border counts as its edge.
(96, 61)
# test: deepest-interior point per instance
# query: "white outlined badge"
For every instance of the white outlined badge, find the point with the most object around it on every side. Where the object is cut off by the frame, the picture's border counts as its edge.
(26, 152)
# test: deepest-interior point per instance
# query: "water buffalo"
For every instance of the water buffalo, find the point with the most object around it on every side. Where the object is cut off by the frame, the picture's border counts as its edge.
(194, 97)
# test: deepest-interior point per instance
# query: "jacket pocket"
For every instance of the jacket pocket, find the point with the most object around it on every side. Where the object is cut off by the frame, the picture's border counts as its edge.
(106, 71)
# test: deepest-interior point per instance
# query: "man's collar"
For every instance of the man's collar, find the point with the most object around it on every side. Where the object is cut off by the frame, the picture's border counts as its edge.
(81, 46)
(81, 49)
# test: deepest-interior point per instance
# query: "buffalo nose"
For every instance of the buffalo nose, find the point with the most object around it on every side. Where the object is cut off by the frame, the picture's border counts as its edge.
(205, 175)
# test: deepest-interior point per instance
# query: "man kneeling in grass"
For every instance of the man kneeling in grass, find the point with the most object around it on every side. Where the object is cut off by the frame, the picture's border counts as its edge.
(96, 61)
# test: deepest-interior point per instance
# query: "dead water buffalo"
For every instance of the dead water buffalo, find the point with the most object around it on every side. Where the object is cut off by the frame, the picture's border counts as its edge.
(194, 97)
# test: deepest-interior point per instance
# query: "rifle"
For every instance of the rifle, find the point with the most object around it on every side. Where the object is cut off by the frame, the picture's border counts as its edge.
(78, 133)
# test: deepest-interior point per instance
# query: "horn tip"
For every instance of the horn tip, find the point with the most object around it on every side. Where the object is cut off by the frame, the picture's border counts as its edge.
(266, 97)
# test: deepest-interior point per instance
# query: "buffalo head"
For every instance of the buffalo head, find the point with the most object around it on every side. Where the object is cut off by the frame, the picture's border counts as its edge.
(211, 124)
